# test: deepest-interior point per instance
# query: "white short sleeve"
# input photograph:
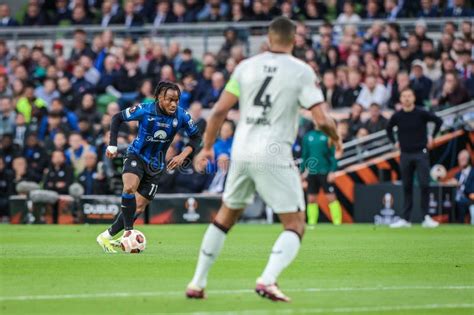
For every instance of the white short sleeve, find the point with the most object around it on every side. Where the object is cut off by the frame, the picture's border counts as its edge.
(310, 93)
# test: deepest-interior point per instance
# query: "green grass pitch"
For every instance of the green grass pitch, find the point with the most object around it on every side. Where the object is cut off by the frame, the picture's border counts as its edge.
(351, 269)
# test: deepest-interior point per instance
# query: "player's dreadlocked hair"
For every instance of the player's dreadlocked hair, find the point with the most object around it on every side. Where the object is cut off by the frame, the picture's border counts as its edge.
(164, 86)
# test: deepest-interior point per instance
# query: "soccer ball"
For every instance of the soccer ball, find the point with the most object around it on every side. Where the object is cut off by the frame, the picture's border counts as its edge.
(438, 172)
(133, 242)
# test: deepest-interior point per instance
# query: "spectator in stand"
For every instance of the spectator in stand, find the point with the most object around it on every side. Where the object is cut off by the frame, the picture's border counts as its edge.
(217, 86)
(392, 10)
(162, 14)
(188, 90)
(106, 16)
(34, 16)
(458, 9)
(36, 157)
(57, 143)
(179, 11)
(195, 110)
(420, 84)
(453, 92)
(216, 8)
(372, 92)
(60, 175)
(6, 189)
(92, 178)
(80, 46)
(80, 85)
(224, 142)
(7, 116)
(376, 121)
(20, 171)
(156, 63)
(464, 179)
(428, 9)
(76, 153)
(371, 11)
(188, 64)
(51, 125)
(127, 81)
(218, 181)
(47, 91)
(129, 17)
(146, 92)
(431, 67)
(333, 94)
(470, 82)
(79, 16)
(21, 130)
(343, 131)
(88, 110)
(92, 75)
(355, 119)
(109, 74)
(348, 15)
(28, 104)
(5, 17)
(5, 90)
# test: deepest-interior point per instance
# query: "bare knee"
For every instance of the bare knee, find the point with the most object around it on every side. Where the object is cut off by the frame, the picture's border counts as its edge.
(226, 217)
(129, 189)
(331, 197)
(312, 198)
(294, 222)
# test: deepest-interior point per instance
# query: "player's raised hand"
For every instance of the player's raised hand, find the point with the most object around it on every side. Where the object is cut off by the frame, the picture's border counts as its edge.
(202, 158)
(111, 152)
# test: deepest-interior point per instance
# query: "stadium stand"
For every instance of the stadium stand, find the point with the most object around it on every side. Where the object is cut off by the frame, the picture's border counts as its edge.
(60, 86)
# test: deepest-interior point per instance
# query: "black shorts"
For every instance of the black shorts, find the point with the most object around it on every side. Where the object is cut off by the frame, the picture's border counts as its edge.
(316, 181)
(149, 178)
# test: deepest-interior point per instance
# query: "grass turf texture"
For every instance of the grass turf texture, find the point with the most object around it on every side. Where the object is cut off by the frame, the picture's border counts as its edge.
(356, 269)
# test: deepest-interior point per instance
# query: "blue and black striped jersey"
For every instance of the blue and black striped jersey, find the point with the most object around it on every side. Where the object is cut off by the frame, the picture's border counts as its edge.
(156, 131)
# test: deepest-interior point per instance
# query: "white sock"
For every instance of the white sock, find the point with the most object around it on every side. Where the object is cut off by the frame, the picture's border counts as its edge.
(210, 248)
(283, 252)
(107, 235)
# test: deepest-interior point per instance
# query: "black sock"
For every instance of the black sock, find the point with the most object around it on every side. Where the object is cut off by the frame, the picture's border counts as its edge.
(117, 226)
(129, 206)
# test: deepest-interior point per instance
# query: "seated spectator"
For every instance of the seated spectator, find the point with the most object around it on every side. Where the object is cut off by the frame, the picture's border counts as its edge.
(36, 157)
(213, 10)
(91, 74)
(80, 85)
(146, 92)
(106, 15)
(218, 181)
(6, 188)
(88, 110)
(195, 110)
(355, 121)
(343, 131)
(129, 17)
(9, 149)
(29, 103)
(372, 92)
(217, 86)
(348, 15)
(188, 64)
(376, 121)
(7, 116)
(92, 178)
(128, 81)
(109, 74)
(66, 94)
(469, 82)
(351, 94)
(428, 9)
(60, 175)
(188, 91)
(189, 181)
(47, 91)
(453, 92)
(76, 153)
(403, 82)
(5, 18)
(20, 172)
(419, 83)
(21, 129)
(157, 61)
(57, 143)
(80, 46)
(333, 94)
(431, 67)
(371, 11)
(204, 81)
(224, 142)
(5, 90)
(162, 14)
(459, 9)
(86, 129)
(465, 188)
(79, 16)
(34, 15)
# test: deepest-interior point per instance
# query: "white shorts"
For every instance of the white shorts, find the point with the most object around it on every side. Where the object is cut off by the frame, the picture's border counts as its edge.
(278, 185)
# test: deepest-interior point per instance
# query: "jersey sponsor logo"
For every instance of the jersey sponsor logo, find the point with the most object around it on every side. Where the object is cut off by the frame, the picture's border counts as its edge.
(163, 125)
(158, 136)
(263, 121)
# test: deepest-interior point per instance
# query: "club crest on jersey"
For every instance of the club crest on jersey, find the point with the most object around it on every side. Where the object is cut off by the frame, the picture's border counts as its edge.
(175, 122)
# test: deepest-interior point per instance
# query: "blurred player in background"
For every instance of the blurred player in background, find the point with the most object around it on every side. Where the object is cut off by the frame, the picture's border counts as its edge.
(319, 164)
(159, 121)
(270, 89)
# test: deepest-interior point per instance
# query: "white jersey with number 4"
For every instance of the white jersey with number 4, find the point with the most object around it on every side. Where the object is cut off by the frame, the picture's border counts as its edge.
(271, 88)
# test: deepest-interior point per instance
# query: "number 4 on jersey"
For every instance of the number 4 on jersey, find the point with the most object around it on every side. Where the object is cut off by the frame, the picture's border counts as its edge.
(258, 100)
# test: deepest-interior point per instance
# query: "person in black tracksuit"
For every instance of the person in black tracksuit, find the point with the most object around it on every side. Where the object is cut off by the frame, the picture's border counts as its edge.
(413, 143)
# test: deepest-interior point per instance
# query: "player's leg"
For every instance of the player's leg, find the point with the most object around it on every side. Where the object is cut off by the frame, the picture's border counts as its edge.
(239, 192)
(423, 172)
(407, 171)
(334, 206)
(285, 196)
(211, 247)
(312, 208)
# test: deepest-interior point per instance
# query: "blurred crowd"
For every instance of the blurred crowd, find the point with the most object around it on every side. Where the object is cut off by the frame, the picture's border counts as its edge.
(135, 13)
(56, 108)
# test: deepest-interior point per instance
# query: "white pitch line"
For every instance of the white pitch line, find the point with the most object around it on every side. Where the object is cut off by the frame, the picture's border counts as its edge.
(356, 309)
(217, 292)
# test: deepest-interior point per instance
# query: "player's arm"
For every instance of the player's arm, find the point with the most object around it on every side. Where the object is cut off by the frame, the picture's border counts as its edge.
(324, 122)
(131, 113)
(193, 145)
